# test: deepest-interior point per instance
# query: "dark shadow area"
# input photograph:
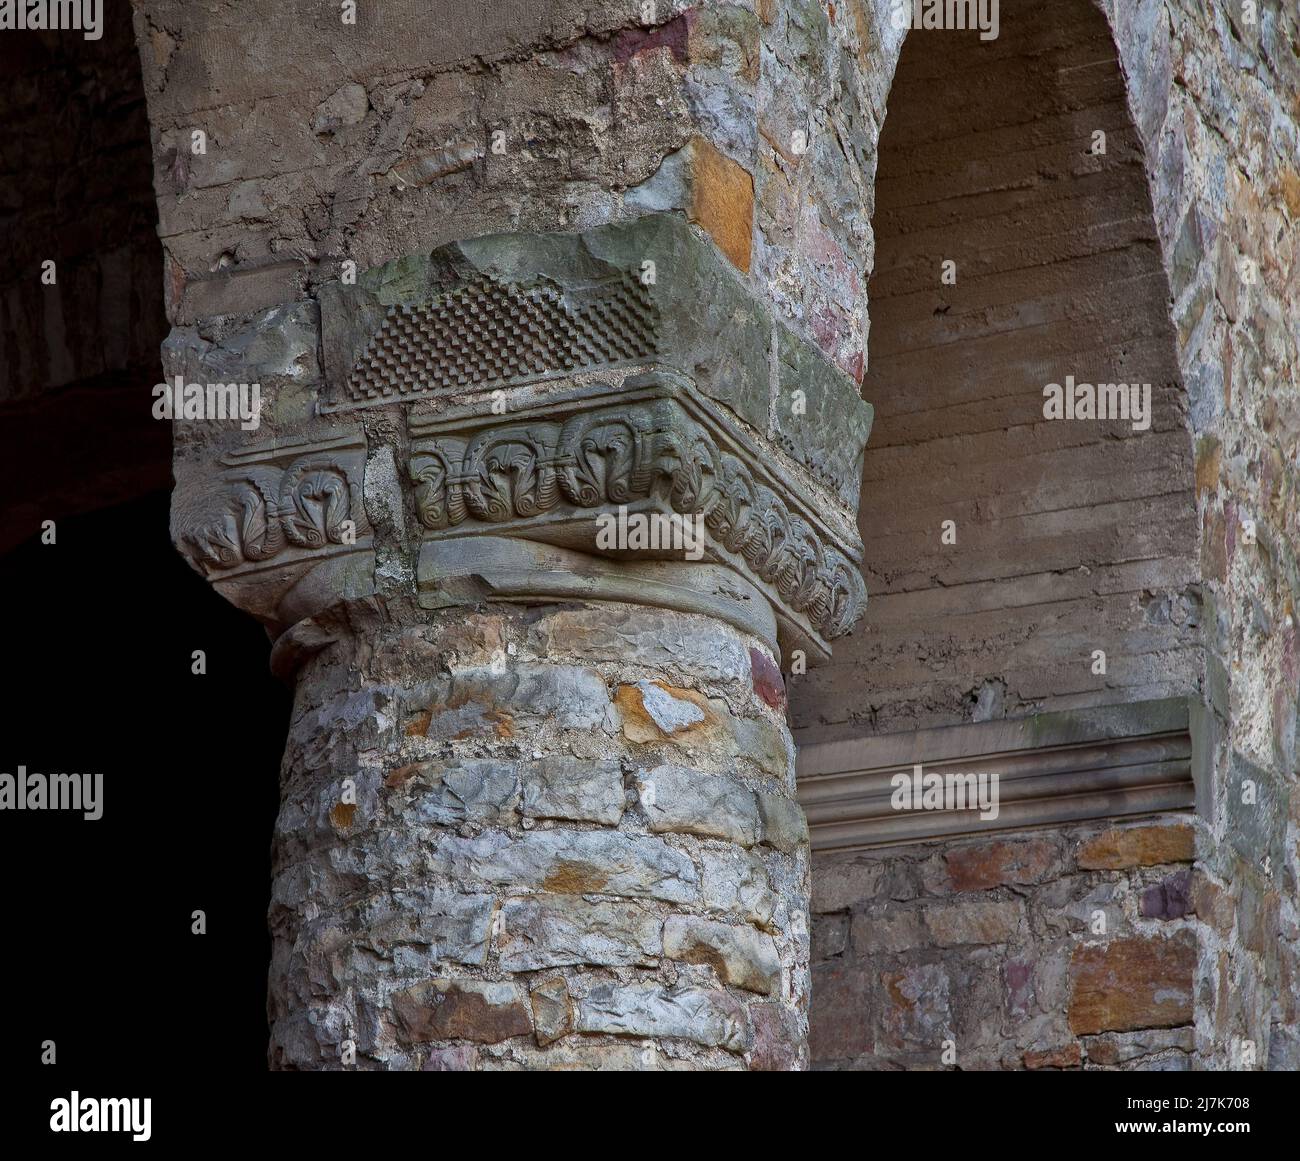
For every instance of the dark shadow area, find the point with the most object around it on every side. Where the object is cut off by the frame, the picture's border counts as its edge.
(103, 623)
(78, 355)
(102, 627)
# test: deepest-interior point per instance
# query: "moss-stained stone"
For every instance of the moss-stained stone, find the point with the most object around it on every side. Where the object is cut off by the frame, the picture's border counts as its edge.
(818, 416)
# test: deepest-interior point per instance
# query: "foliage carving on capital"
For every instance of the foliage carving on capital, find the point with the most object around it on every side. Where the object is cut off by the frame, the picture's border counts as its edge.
(287, 502)
(644, 452)
(255, 516)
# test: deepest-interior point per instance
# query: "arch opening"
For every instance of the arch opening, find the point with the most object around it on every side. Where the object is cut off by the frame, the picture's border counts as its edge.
(1022, 565)
(1071, 535)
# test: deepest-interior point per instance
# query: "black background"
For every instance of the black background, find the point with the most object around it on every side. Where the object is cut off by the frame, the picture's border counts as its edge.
(98, 954)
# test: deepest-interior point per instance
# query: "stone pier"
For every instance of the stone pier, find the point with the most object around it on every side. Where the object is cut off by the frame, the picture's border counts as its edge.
(538, 800)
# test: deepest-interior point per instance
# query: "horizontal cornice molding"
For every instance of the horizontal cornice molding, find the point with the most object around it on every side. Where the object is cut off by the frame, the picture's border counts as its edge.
(1108, 762)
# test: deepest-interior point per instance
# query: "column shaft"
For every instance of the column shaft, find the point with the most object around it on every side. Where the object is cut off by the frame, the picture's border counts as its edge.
(538, 837)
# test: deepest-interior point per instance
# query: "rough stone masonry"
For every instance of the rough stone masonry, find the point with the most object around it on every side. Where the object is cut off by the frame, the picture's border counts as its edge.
(573, 845)
(1207, 97)
(496, 282)
(538, 799)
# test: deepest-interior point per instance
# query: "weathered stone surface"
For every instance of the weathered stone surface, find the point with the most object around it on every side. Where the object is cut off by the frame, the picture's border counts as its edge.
(839, 884)
(460, 1058)
(838, 1027)
(723, 336)
(1190, 77)
(1284, 1049)
(552, 1011)
(1122, 1047)
(451, 926)
(997, 864)
(723, 201)
(1067, 1056)
(1018, 985)
(566, 894)
(1132, 983)
(572, 863)
(830, 935)
(767, 680)
(782, 822)
(684, 801)
(671, 710)
(1212, 904)
(888, 929)
(974, 922)
(1168, 899)
(552, 932)
(703, 1015)
(1257, 820)
(765, 745)
(1258, 917)
(1139, 846)
(653, 711)
(917, 1010)
(600, 1054)
(276, 347)
(986, 950)
(346, 106)
(738, 883)
(485, 702)
(446, 1009)
(573, 788)
(660, 638)
(776, 1039)
(701, 318)
(823, 433)
(472, 790)
(738, 954)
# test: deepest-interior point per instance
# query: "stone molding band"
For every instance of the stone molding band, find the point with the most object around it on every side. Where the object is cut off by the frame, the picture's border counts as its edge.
(465, 570)
(1111, 762)
(549, 476)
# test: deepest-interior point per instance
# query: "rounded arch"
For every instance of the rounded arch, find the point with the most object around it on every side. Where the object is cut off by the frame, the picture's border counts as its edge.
(1015, 248)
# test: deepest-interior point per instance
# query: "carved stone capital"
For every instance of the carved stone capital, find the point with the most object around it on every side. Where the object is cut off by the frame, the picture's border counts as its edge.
(279, 527)
(481, 419)
(644, 470)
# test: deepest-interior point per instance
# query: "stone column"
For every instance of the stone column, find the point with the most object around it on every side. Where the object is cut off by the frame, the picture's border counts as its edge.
(534, 521)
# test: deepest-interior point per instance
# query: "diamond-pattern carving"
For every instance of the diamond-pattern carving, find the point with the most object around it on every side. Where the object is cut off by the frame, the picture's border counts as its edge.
(494, 332)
